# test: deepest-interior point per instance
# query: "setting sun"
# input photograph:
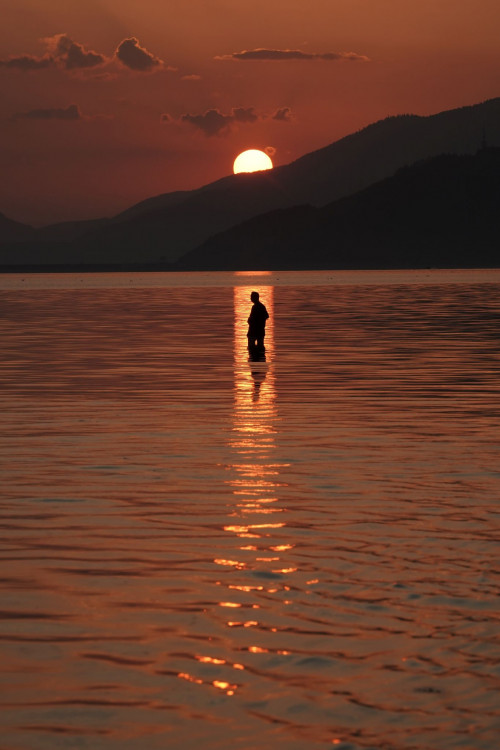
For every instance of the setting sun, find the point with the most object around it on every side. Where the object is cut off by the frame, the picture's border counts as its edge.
(252, 160)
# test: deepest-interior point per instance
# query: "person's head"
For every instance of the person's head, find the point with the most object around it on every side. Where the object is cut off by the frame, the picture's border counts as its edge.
(254, 296)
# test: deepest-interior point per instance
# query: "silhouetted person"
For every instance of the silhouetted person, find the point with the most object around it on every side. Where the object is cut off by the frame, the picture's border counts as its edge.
(257, 323)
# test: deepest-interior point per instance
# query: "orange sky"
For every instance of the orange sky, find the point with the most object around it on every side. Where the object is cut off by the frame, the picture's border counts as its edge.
(106, 102)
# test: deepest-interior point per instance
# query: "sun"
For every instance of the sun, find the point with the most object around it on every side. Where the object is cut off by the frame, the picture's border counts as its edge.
(252, 160)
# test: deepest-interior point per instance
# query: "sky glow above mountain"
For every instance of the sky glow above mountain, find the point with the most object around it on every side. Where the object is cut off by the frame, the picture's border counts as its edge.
(107, 102)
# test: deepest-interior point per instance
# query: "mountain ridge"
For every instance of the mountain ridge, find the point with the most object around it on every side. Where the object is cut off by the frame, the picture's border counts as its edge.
(164, 228)
(441, 211)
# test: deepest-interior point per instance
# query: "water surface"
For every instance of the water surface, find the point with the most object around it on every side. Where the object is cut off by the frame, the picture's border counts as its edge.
(199, 550)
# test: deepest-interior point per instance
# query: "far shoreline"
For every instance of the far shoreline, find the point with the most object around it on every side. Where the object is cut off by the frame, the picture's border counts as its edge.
(165, 268)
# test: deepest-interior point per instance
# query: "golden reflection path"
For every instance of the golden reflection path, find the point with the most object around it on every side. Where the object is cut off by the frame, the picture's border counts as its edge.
(253, 564)
(255, 479)
(257, 518)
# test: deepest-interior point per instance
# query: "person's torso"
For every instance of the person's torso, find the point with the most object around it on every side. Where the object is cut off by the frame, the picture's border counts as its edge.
(259, 313)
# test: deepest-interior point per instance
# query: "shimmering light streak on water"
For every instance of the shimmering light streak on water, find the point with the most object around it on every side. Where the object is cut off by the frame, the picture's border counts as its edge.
(204, 550)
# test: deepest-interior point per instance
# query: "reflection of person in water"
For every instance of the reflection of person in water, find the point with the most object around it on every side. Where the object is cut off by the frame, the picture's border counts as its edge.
(257, 322)
(258, 373)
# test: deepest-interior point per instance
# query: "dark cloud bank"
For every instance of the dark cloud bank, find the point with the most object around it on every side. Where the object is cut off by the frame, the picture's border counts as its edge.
(63, 52)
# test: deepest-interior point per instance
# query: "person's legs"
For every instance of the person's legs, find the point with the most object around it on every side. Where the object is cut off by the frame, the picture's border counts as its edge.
(256, 338)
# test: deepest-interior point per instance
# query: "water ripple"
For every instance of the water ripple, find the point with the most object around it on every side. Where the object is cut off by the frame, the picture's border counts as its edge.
(199, 548)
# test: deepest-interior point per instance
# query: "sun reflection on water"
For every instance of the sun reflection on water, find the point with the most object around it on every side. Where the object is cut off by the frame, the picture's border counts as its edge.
(256, 525)
(255, 472)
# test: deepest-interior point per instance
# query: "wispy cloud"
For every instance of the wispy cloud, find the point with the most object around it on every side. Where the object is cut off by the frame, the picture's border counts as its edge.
(284, 114)
(292, 54)
(70, 113)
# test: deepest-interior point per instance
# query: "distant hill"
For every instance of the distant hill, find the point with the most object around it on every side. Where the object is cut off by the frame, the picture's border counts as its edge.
(441, 212)
(67, 231)
(14, 231)
(163, 229)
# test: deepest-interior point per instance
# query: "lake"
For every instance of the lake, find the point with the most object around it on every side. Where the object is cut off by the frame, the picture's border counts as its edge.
(202, 550)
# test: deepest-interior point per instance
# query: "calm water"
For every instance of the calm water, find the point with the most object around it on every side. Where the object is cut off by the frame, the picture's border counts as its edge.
(199, 551)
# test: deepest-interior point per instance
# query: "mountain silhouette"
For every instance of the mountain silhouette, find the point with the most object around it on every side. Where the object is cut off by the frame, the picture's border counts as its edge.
(441, 211)
(14, 231)
(161, 230)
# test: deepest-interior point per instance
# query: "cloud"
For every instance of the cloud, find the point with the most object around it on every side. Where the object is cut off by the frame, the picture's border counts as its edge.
(71, 55)
(56, 113)
(135, 57)
(240, 114)
(214, 122)
(284, 114)
(28, 63)
(103, 75)
(291, 54)
(343, 56)
(62, 52)
(192, 77)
